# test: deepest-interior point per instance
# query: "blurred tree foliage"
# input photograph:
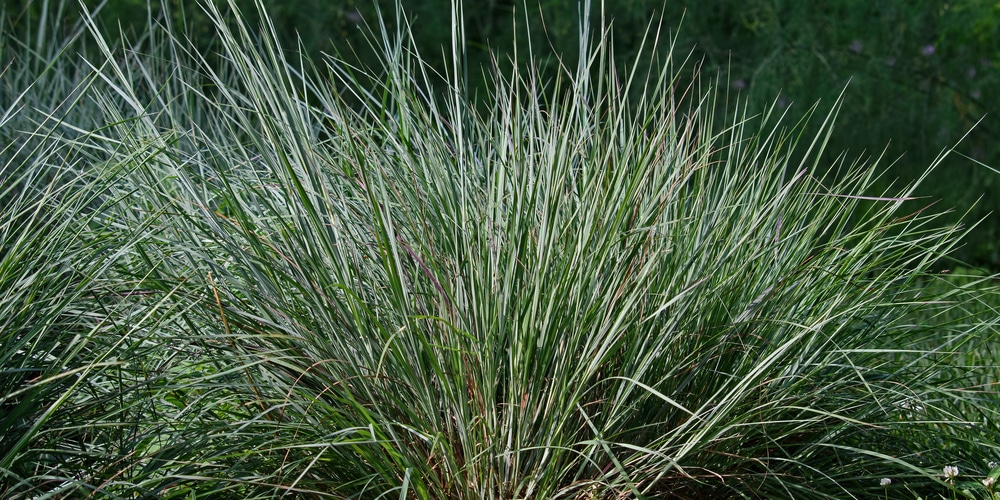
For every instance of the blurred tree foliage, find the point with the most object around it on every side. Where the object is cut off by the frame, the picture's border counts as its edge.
(921, 73)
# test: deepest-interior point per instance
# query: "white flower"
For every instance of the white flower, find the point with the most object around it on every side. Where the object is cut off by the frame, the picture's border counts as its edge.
(885, 482)
(992, 464)
(988, 482)
(950, 472)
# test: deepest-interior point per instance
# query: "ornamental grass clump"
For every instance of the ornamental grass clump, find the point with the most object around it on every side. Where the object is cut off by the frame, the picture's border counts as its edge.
(615, 284)
(71, 354)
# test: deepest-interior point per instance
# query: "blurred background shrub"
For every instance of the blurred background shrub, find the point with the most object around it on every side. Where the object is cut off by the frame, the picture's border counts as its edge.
(919, 75)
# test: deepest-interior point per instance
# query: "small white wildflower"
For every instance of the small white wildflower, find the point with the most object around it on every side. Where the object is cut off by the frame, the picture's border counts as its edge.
(992, 464)
(988, 482)
(950, 472)
(885, 482)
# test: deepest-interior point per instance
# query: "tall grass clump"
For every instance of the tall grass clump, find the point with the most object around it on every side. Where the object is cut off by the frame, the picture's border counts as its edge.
(74, 362)
(71, 358)
(556, 290)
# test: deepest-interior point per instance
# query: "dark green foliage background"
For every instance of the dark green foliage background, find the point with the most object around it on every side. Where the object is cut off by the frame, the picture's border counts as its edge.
(919, 74)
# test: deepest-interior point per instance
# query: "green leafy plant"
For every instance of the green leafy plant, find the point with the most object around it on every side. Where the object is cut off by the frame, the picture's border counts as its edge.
(583, 287)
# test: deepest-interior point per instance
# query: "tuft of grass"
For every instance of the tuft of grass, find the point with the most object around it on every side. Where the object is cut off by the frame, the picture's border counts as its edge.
(72, 356)
(293, 283)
